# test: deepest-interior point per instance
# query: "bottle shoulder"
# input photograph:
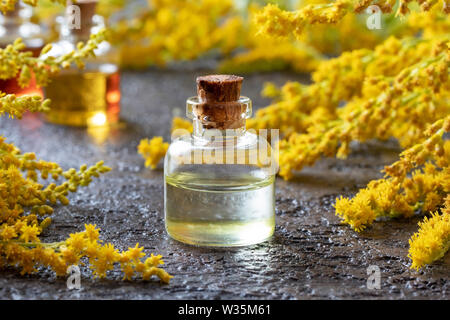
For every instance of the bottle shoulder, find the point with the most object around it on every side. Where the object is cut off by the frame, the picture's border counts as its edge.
(248, 152)
(190, 141)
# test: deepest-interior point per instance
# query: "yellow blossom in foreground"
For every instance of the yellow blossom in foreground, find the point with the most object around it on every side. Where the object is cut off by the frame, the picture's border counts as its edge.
(61, 255)
(399, 195)
(24, 203)
(432, 240)
(152, 150)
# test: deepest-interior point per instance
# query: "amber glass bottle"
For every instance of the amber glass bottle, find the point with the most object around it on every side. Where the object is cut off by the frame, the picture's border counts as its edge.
(91, 96)
(16, 24)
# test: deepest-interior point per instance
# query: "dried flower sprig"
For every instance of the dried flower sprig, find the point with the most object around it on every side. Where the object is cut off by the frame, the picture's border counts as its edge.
(401, 104)
(20, 246)
(9, 5)
(424, 191)
(232, 34)
(204, 26)
(14, 61)
(277, 22)
(25, 207)
(152, 150)
(433, 147)
(15, 106)
(25, 204)
(432, 240)
(297, 106)
(399, 195)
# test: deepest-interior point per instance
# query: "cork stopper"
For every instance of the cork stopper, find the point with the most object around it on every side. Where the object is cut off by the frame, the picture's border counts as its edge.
(219, 105)
(87, 11)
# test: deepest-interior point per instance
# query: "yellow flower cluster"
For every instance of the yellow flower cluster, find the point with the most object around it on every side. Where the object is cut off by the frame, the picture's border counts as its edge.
(277, 22)
(378, 106)
(222, 28)
(219, 27)
(334, 81)
(400, 89)
(285, 53)
(347, 34)
(25, 204)
(173, 30)
(15, 61)
(20, 246)
(152, 151)
(425, 190)
(432, 240)
(16, 106)
(155, 149)
(402, 195)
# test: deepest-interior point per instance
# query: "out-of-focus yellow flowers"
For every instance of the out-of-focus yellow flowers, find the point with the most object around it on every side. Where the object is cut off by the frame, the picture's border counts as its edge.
(396, 87)
(15, 62)
(152, 150)
(399, 89)
(25, 204)
(277, 22)
(432, 240)
(419, 181)
(219, 28)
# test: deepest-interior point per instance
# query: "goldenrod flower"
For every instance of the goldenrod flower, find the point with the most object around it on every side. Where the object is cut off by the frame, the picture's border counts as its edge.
(276, 22)
(152, 150)
(432, 240)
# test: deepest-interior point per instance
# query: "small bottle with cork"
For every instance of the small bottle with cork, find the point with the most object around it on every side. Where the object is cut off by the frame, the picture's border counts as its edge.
(219, 180)
(90, 96)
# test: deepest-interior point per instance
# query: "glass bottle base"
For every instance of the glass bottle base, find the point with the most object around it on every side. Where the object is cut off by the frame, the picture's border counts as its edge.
(221, 234)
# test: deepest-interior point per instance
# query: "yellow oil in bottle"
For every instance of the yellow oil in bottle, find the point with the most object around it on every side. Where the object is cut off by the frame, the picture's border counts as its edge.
(202, 209)
(84, 98)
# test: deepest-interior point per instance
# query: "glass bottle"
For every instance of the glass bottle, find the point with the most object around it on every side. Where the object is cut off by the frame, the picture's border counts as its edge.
(89, 96)
(17, 24)
(218, 191)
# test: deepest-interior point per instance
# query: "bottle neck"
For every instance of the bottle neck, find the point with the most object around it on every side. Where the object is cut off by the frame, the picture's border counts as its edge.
(208, 121)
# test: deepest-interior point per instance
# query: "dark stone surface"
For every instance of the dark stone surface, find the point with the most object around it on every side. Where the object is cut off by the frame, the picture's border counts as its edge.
(311, 255)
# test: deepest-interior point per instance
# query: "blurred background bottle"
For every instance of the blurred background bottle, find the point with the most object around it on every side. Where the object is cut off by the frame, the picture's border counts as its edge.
(91, 96)
(17, 24)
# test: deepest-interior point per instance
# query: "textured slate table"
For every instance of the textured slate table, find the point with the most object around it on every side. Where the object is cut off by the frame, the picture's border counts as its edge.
(310, 256)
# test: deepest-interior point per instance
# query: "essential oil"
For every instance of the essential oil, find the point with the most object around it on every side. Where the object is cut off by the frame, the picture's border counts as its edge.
(92, 101)
(228, 201)
(90, 96)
